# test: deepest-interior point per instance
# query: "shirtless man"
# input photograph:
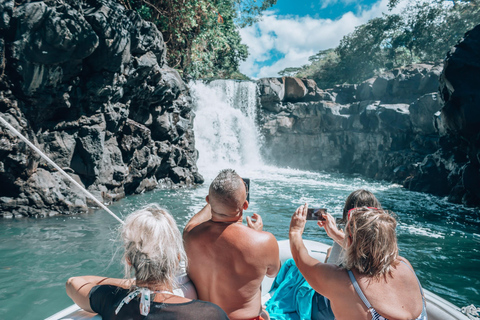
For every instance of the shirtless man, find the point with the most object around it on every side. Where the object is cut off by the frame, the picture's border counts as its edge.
(227, 261)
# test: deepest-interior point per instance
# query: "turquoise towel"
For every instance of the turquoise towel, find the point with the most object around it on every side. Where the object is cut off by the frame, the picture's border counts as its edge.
(293, 295)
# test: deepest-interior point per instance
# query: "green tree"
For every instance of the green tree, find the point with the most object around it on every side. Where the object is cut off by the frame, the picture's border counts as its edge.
(323, 68)
(422, 32)
(289, 72)
(202, 36)
(393, 3)
(364, 51)
(429, 29)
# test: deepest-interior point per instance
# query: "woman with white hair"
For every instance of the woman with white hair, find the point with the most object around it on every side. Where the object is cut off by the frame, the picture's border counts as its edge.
(153, 251)
(372, 281)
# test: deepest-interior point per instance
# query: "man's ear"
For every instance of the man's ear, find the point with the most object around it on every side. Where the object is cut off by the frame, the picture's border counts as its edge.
(207, 199)
(245, 205)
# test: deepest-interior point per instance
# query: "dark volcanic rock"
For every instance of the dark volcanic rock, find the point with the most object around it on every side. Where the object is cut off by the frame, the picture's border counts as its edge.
(457, 164)
(388, 127)
(401, 85)
(368, 128)
(86, 81)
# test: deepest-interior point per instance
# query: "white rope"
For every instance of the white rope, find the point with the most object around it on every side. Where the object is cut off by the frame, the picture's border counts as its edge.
(44, 156)
(471, 312)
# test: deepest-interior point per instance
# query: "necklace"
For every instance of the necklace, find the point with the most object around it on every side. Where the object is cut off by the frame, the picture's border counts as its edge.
(158, 299)
(162, 291)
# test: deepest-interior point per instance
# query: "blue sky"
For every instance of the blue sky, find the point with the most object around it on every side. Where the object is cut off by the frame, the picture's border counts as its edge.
(293, 30)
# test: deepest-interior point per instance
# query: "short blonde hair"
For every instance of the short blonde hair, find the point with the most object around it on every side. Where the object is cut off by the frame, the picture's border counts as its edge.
(371, 242)
(153, 245)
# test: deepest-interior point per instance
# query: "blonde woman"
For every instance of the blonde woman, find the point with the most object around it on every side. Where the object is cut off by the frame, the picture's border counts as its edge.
(153, 251)
(373, 281)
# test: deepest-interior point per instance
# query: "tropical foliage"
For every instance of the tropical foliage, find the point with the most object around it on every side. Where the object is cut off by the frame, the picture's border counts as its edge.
(202, 36)
(423, 32)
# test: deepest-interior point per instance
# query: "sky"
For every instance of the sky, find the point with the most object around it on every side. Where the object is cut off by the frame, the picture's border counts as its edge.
(293, 30)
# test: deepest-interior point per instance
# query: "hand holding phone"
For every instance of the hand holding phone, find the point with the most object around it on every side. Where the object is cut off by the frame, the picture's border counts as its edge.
(316, 214)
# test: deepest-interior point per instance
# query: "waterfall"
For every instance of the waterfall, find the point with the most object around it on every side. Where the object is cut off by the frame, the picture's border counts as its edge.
(226, 135)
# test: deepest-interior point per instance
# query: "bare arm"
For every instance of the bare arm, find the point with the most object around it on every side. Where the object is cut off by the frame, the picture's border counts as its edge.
(78, 288)
(331, 228)
(203, 215)
(329, 250)
(317, 274)
(274, 252)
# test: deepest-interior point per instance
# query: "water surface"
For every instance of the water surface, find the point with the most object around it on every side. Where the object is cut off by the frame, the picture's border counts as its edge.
(39, 255)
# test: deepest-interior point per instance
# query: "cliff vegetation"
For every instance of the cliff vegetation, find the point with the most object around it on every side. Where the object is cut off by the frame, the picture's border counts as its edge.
(423, 32)
(202, 36)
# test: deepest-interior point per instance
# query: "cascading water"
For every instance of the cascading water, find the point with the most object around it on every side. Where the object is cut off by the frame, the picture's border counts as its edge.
(225, 132)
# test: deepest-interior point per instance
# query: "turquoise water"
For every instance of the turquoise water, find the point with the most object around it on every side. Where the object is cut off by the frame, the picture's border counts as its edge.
(38, 256)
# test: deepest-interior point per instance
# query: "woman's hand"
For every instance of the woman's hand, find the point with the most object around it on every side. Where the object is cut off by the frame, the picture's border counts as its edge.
(299, 218)
(331, 228)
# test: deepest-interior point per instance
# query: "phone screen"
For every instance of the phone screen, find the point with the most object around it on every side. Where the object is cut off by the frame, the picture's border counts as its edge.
(316, 213)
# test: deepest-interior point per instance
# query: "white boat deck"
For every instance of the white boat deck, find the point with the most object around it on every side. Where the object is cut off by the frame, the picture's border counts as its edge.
(437, 308)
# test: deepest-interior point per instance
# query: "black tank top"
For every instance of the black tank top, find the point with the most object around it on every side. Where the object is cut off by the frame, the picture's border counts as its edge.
(104, 299)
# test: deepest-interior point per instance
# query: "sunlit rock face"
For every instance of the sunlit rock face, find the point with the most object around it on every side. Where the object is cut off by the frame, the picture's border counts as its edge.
(380, 128)
(457, 163)
(86, 81)
(418, 125)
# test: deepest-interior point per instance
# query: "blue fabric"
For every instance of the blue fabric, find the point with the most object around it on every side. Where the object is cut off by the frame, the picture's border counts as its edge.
(292, 299)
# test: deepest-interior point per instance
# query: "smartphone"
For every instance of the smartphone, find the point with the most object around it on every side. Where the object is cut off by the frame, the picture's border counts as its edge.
(316, 213)
(247, 186)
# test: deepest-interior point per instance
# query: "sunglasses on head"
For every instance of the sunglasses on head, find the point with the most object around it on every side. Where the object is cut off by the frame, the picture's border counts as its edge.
(353, 209)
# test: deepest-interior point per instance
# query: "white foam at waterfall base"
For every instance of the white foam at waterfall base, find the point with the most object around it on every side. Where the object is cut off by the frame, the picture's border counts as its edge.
(226, 136)
(225, 132)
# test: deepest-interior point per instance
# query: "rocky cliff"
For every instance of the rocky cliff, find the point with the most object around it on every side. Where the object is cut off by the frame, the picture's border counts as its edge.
(381, 128)
(86, 81)
(454, 169)
(398, 126)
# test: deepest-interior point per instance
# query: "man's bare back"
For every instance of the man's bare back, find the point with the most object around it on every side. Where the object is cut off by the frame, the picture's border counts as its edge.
(227, 260)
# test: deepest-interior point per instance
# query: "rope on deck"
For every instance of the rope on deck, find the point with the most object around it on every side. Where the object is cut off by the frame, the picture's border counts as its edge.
(471, 312)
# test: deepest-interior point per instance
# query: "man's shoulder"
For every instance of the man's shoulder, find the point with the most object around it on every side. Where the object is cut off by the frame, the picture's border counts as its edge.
(198, 229)
(251, 235)
(234, 233)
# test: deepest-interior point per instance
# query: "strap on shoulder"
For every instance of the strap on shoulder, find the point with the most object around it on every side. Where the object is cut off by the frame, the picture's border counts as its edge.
(418, 281)
(358, 290)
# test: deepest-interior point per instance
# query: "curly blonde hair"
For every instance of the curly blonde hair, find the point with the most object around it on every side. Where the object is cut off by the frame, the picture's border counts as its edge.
(371, 242)
(153, 246)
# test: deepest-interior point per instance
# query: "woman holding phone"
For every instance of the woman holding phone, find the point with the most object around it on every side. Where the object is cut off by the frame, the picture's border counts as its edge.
(373, 281)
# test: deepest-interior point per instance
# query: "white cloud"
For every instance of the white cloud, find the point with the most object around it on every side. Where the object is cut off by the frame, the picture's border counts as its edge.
(297, 38)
